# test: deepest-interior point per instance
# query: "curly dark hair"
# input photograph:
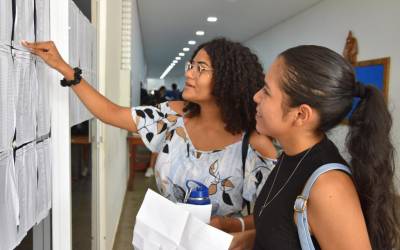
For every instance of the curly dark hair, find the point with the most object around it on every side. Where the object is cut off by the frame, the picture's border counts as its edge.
(237, 76)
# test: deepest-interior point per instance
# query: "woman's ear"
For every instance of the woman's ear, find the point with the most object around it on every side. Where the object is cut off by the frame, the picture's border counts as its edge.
(305, 114)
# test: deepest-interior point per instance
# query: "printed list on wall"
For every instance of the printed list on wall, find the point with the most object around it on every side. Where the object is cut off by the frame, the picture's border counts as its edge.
(25, 112)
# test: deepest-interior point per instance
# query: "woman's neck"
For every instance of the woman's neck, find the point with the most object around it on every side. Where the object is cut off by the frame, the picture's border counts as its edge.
(210, 114)
(295, 144)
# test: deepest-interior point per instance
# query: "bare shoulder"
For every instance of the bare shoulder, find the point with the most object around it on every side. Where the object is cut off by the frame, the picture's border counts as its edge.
(263, 145)
(334, 183)
(177, 106)
(335, 214)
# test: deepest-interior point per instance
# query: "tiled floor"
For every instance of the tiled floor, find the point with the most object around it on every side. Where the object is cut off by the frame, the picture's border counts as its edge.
(132, 202)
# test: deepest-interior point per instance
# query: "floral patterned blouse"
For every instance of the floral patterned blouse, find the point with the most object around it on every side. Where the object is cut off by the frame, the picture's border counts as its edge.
(163, 131)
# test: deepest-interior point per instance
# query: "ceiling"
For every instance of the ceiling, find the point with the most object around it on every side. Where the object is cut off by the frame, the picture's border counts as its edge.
(167, 25)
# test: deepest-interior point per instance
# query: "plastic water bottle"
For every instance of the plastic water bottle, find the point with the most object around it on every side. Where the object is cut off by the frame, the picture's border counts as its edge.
(197, 195)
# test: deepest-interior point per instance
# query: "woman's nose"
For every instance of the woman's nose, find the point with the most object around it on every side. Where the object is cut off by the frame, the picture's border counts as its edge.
(189, 74)
(256, 97)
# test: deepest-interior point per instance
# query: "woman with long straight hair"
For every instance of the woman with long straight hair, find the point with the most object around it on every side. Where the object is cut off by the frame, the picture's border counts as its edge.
(308, 91)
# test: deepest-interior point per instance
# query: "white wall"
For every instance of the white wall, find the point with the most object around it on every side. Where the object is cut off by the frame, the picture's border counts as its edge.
(113, 162)
(139, 67)
(154, 83)
(374, 23)
(60, 134)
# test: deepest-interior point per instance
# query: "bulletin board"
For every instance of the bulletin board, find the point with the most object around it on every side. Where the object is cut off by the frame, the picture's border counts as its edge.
(374, 72)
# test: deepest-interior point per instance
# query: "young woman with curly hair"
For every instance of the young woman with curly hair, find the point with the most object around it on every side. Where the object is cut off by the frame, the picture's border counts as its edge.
(199, 138)
(308, 91)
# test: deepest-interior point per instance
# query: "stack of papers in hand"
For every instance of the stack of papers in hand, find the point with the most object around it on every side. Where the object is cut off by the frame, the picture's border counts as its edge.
(162, 224)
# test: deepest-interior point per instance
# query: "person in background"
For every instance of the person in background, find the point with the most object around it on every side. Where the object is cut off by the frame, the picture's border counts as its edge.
(174, 94)
(200, 138)
(144, 96)
(308, 91)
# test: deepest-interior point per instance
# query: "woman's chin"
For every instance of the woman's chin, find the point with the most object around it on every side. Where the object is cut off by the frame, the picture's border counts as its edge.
(187, 96)
(260, 130)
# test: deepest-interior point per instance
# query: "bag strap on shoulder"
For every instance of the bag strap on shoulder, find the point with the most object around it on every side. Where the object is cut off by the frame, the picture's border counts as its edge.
(245, 147)
(300, 205)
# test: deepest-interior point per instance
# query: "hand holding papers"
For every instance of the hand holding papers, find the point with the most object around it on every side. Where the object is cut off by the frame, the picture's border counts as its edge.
(162, 224)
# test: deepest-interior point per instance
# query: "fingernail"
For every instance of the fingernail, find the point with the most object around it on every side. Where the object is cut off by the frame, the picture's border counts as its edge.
(24, 42)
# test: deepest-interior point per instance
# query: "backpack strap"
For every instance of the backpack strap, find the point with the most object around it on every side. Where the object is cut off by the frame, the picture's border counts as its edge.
(245, 147)
(300, 205)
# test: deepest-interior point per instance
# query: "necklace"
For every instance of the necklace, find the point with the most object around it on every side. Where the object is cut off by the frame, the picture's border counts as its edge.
(267, 202)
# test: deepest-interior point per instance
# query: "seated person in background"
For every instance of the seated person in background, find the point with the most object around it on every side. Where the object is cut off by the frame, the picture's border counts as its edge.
(199, 139)
(174, 94)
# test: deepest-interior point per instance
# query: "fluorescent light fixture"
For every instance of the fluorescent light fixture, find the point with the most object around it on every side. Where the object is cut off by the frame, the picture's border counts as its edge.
(212, 19)
(167, 70)
(181, 54)
(200, 33)
(192, 42)
(175, 61)
(186, 49)
(178, 58)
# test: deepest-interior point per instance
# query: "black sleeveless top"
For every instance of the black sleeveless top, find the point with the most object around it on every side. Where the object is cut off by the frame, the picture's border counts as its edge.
(275, 227)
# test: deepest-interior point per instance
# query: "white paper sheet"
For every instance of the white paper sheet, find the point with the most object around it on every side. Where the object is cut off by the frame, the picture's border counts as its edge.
(24, 23)
(83, 49)
(203, 212)
(9, 203)
(26, 176)
(7, 100)
(43, 20)
(73, 34)
(5, 21)
(26, 82)
(161, 224)
(44, 177)
(43, 98)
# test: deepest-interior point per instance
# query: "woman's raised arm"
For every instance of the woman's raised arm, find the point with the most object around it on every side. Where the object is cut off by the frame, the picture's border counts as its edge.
(96, 103)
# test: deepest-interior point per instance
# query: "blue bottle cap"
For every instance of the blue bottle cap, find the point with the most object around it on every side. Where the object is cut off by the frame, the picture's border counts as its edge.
(197, 195)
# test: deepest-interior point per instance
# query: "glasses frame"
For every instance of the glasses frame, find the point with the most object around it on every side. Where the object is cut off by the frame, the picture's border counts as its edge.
(198, 67)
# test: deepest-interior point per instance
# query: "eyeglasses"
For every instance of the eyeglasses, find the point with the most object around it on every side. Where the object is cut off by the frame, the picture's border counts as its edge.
(198, 67)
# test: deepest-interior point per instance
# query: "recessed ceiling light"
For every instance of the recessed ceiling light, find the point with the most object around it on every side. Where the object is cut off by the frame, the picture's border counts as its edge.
(192, 42)
(178, 58)
(212, 19)
(175, 61)
(200, 33)
(181, 54)
(186, 49)
(167, 70)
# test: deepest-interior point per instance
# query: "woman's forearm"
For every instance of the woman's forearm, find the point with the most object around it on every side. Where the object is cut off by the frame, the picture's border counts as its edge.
(232, 224)
(99, 105)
